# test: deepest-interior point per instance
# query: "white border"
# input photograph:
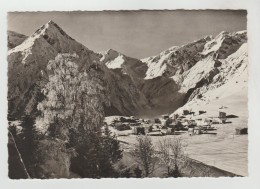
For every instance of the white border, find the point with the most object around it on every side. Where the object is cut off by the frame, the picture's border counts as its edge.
(253, 7)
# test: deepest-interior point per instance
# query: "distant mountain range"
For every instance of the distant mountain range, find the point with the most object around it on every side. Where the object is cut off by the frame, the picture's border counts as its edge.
(211, 70)
(15, 39)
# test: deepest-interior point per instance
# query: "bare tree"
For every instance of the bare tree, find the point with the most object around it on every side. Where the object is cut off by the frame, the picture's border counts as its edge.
(165, 153)
(198, 169)
(144, 153)
(171, 153)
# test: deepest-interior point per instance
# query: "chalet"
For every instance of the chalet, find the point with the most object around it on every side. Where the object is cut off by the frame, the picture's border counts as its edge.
(223, 117)
(201, 122)
(192, 122)
(186, 112)
(202, 112)
(168, 131)
(132, 118)
(157, 120)
(140, 130)
(175, 116)
(197, 131)
(241, 131)
(191, 131)
(165, 117)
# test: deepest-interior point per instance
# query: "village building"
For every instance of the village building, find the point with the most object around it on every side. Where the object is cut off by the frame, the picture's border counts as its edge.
(223, 117)
(186, 112)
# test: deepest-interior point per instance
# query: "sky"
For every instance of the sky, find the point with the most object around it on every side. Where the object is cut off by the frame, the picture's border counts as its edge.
(137, 34)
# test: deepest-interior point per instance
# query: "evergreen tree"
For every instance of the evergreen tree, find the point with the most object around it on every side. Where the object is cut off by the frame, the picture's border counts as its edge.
(138, 172)
(96, 155)
(111, 145)
(28, 143)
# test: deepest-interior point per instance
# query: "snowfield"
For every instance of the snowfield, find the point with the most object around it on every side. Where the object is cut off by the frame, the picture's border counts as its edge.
(116, 63)
(222, 148)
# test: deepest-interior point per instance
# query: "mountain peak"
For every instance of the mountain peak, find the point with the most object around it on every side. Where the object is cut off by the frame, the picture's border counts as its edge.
(50, 30)
(51, 22)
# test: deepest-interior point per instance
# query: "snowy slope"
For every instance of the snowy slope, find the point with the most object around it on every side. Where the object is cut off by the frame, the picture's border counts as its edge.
(113, 59)
(175, 59)
(225, 44)
(116, 63)
(204, 69)
(227, 89)
(214, 67)
(157, 64)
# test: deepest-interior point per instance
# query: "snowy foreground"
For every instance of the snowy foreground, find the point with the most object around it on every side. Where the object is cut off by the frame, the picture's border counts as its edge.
(224, 149)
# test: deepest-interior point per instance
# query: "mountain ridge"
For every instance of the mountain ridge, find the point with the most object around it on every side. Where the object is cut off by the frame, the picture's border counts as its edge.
(149, 87)
(190, 68)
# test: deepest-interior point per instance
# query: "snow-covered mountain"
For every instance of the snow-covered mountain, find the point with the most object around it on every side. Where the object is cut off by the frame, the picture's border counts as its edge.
(27, 63)
(223, 84)
(183, 73)
(175, 59)
(193, 75)
(27, 72)
(114, 60)
(160, 93)
(208, 71)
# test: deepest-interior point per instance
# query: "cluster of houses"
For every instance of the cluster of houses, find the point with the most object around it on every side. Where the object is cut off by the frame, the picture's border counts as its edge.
(188, 121)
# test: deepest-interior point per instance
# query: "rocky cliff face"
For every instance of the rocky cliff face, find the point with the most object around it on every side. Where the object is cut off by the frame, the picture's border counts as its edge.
(158, 95)
(128, 74)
